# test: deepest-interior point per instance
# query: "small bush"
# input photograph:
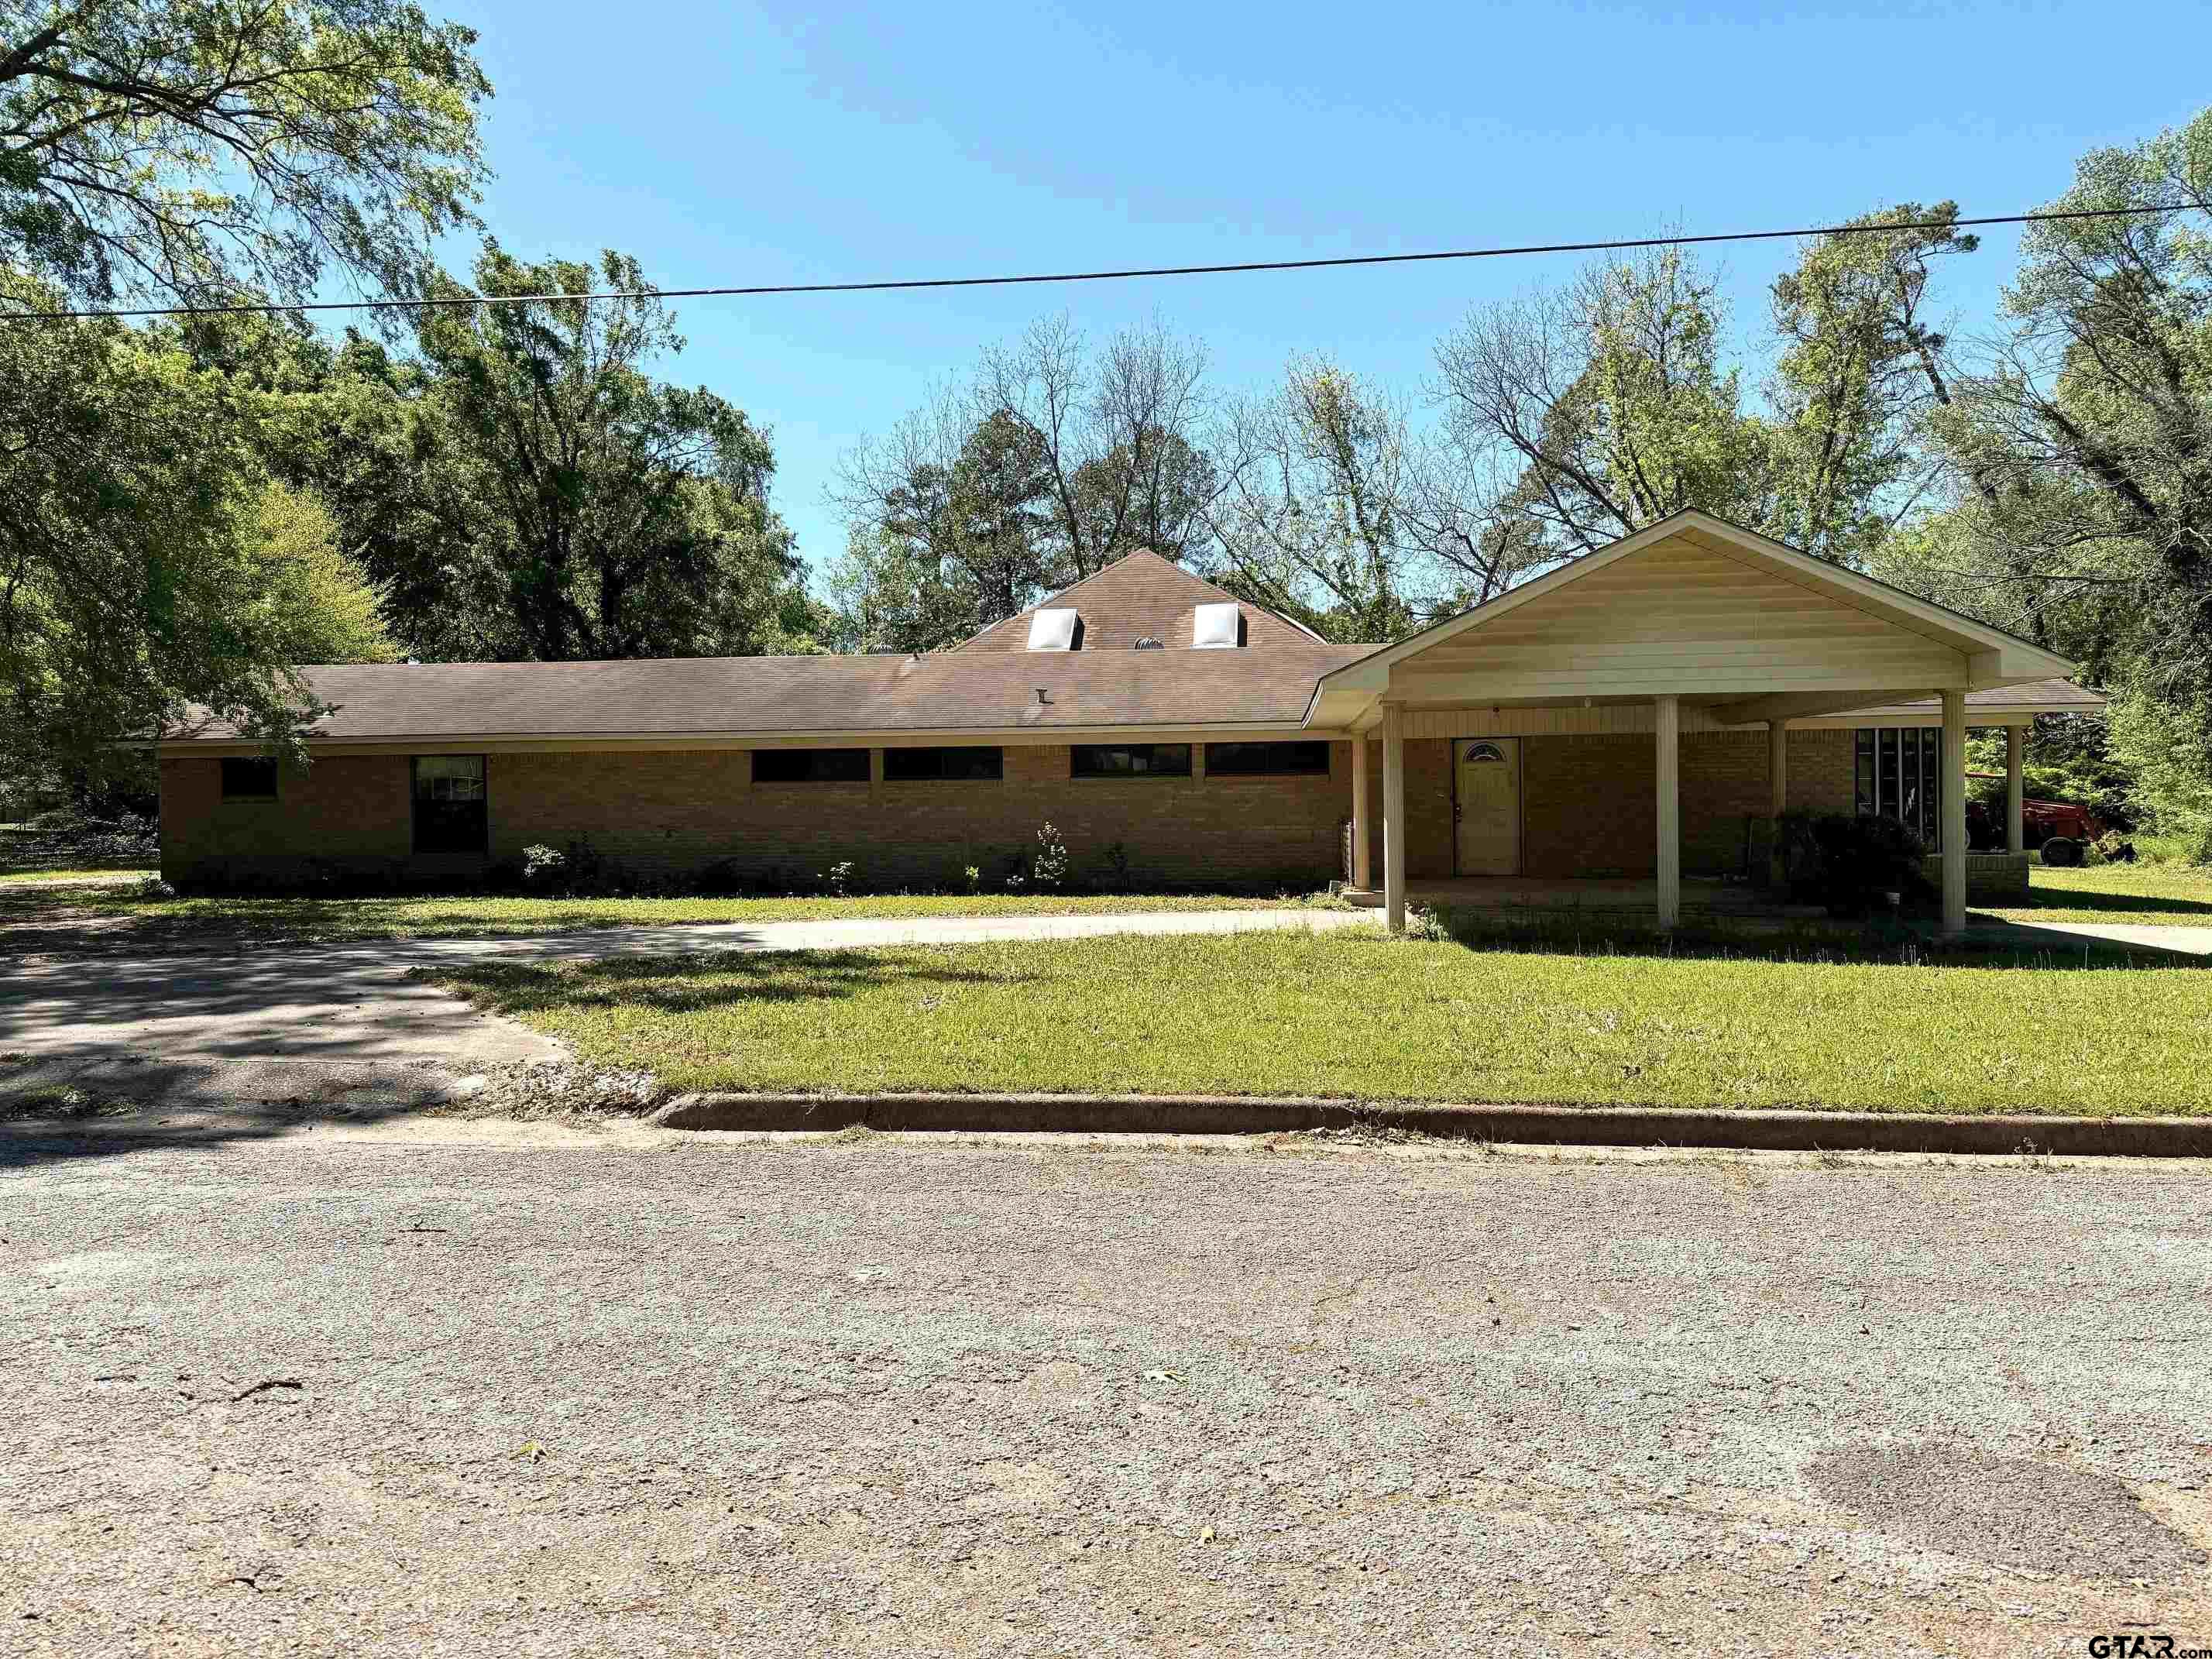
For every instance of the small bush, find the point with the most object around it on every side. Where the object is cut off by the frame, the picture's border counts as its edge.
(721, 879)
(1117, 866)
(837, 880)
(1049, 863)
(1851, 863)
(973, 875)
(543, 866)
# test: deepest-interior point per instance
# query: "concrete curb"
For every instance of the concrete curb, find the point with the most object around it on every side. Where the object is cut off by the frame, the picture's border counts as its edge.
(1569, 1126)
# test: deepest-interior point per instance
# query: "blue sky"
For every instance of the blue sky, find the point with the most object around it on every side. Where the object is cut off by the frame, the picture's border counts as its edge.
(748, 143)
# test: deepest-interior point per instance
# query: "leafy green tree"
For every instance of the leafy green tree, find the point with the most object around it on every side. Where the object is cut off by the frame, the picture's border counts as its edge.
(147, 568)
(1860, 368)
(583, 509)
(205, 150)
(2080, 459)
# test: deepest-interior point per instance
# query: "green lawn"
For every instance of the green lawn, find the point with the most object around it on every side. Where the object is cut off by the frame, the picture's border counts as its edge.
(1358, 1015)
(117, 916)
(51, 878)
(2158, 895)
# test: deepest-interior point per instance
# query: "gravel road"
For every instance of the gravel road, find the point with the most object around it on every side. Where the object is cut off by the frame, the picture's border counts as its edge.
(640, 1394)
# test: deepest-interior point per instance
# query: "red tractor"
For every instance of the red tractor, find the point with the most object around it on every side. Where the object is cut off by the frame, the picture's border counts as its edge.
(2045, 820)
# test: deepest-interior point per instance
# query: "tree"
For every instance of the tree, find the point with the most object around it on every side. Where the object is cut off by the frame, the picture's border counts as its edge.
(1119, 437)
(1860, 368)
(1309, 520)
(146, 566)
(1043, 468)
(2081, 458)
(1594, 410)
(584, 509)
(203, 150)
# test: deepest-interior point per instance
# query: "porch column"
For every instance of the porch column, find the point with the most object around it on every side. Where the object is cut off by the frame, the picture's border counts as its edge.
(1954, 813)
(1394, 817)
(2015, 789)
(1363, 866)
(1777, 792)
(1669, 726)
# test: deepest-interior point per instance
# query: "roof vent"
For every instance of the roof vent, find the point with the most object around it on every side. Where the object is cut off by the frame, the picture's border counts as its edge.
(1053, 629)
(1148, 643)
(1214, 628)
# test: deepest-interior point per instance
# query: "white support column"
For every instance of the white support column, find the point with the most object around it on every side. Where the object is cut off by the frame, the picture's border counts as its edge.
(1394, 817)
(1953, 805)
(1668, 723)
(2015, 789)
(1363, 865)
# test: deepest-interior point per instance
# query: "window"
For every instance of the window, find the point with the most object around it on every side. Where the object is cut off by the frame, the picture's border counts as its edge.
(1266, 760)
(1130, 760)
(1217, 627)
(810, 766)
(1055, 627)
(249, 780)
(1899, 773)
(449, 803)
(949, 765)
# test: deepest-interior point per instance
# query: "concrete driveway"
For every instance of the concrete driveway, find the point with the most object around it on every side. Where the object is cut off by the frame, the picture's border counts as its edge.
(340, 1023)
(644, 1395)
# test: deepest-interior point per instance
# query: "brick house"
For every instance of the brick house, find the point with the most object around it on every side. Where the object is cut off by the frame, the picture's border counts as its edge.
(1627, 718)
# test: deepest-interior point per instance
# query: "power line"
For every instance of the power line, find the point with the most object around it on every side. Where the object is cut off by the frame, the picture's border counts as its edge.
(909, 283)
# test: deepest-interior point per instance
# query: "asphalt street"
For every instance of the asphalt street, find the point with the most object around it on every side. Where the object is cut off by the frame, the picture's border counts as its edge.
(636, 1392)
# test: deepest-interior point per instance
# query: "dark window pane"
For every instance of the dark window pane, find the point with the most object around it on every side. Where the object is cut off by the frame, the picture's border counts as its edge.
(1255, 760)
(249, 780)
(1886, 780)
(1932, 775)
(449, 803)
(1130, 760)
(810, 766)
(964, 764)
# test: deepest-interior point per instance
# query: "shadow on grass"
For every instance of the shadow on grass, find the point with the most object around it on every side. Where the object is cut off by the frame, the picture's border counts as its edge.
(1885, 943)
(692, 984)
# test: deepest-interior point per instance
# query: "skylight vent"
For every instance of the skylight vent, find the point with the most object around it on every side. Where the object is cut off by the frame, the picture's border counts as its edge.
(1148, 643)
(1053, 629)
(1214, 628)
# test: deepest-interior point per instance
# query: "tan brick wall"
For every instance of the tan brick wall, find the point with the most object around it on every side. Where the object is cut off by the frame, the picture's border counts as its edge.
(1586, 803)
(679, 811)
(1587, 807)
(350, 809)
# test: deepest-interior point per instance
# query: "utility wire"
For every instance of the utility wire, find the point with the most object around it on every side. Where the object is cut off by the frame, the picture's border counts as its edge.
(909, 283)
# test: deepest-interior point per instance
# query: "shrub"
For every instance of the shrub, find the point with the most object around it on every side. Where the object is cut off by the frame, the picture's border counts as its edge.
(974, 876)
(1117, 866)
(837, 879)
(1850, 863)
(1049, 863)
(721, 879)
(2113, 848)
(576, 870)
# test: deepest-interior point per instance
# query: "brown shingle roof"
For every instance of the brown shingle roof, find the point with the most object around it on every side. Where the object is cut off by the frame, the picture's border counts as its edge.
(703, 695)
(1141, 595)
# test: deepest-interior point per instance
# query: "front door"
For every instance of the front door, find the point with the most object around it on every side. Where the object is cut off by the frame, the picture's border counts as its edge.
(1487, 797)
